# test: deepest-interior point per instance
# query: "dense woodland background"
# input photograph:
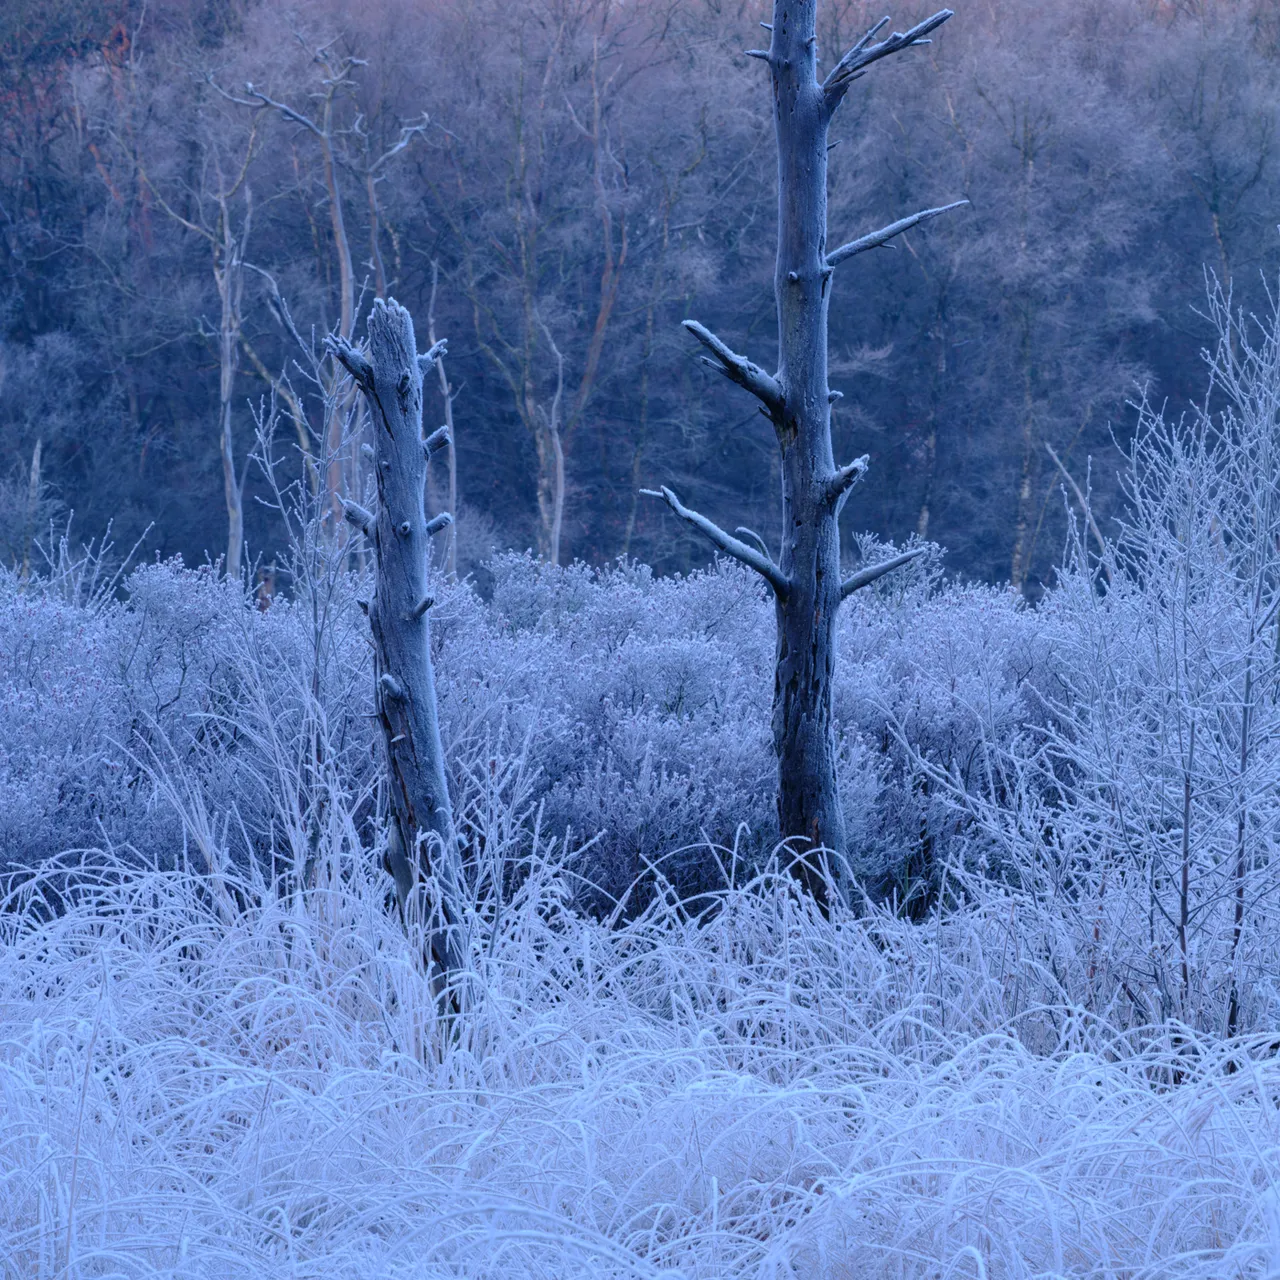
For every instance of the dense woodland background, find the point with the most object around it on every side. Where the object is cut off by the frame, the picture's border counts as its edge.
(592, 172)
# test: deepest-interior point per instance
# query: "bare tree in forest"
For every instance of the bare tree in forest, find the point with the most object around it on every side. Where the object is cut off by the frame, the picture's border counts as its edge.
(229, 245)
(353, 149)
(806, 580)
(510, 275)
(448, 395)
(422, 839)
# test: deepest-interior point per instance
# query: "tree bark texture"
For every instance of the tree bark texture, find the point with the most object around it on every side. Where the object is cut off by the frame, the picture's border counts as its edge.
(803, 729)
(806, 581)
(422, 838)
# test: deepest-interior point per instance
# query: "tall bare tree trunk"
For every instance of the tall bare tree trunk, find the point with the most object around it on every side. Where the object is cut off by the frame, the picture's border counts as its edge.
(550, 486)
(1020, 562)
(230, 280)
(229, 266)
(33, 506)
(422, 838)
(550, 443)
(806, 581)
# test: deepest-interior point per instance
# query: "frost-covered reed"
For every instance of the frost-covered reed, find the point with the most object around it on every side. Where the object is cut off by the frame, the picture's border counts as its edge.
(209, 1077)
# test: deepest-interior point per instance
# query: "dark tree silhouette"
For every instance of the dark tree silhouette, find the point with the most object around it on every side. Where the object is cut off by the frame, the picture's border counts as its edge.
(806, 580)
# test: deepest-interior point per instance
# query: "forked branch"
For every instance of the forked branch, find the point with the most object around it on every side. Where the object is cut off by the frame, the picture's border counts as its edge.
(731, 546)
(864, 53)
(1086, 506)
(882, 237)
(739, 369)
(865, 577)
(755, 538)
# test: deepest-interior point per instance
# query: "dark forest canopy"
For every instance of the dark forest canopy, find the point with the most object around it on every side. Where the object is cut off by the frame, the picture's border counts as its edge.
(592, 173)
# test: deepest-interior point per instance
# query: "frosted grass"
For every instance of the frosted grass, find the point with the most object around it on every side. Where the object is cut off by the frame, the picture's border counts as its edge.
(195, 1087)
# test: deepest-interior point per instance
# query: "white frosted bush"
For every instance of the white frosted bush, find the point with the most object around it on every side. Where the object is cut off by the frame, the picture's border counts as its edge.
(638, 707)
(937, 672)
(1138, 812)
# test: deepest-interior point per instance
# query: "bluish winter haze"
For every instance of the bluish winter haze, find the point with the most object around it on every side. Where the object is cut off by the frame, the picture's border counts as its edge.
(1109, 149)
(1042, 1038)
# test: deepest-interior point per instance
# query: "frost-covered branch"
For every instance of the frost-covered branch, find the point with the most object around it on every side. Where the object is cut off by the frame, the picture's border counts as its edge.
(351, 360)
(428, 358)
(865, 577)
(437, 440)
(864, 53)
(845, 478)
(727, 543)
(358, 517)
(739, 369)
(1085, 506)
(754, 537)
(882, 237)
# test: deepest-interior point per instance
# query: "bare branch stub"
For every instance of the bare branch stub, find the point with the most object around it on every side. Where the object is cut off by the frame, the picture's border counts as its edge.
(437, 440)
(428, 358)
(846, 477)
(726, 542)
(739, 369)
(358, 517)
(876, 239)
(865, 577)
(854, 63)
(356, 364)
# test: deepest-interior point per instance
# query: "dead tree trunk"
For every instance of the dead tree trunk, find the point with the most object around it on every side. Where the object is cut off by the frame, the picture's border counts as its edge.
(422, 839)
(551, 460)
(229, 265)
(230, 279)
(806, 581)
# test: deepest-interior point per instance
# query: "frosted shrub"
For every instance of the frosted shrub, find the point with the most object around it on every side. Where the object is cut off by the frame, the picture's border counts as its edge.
(935, 672)
(60, 780)
(181, 679)
(634, 710)
(644, 704)
(82, 690)
(1142, 818)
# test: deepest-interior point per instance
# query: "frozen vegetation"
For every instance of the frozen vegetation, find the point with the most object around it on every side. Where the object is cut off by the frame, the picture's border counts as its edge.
(1043, 1044)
